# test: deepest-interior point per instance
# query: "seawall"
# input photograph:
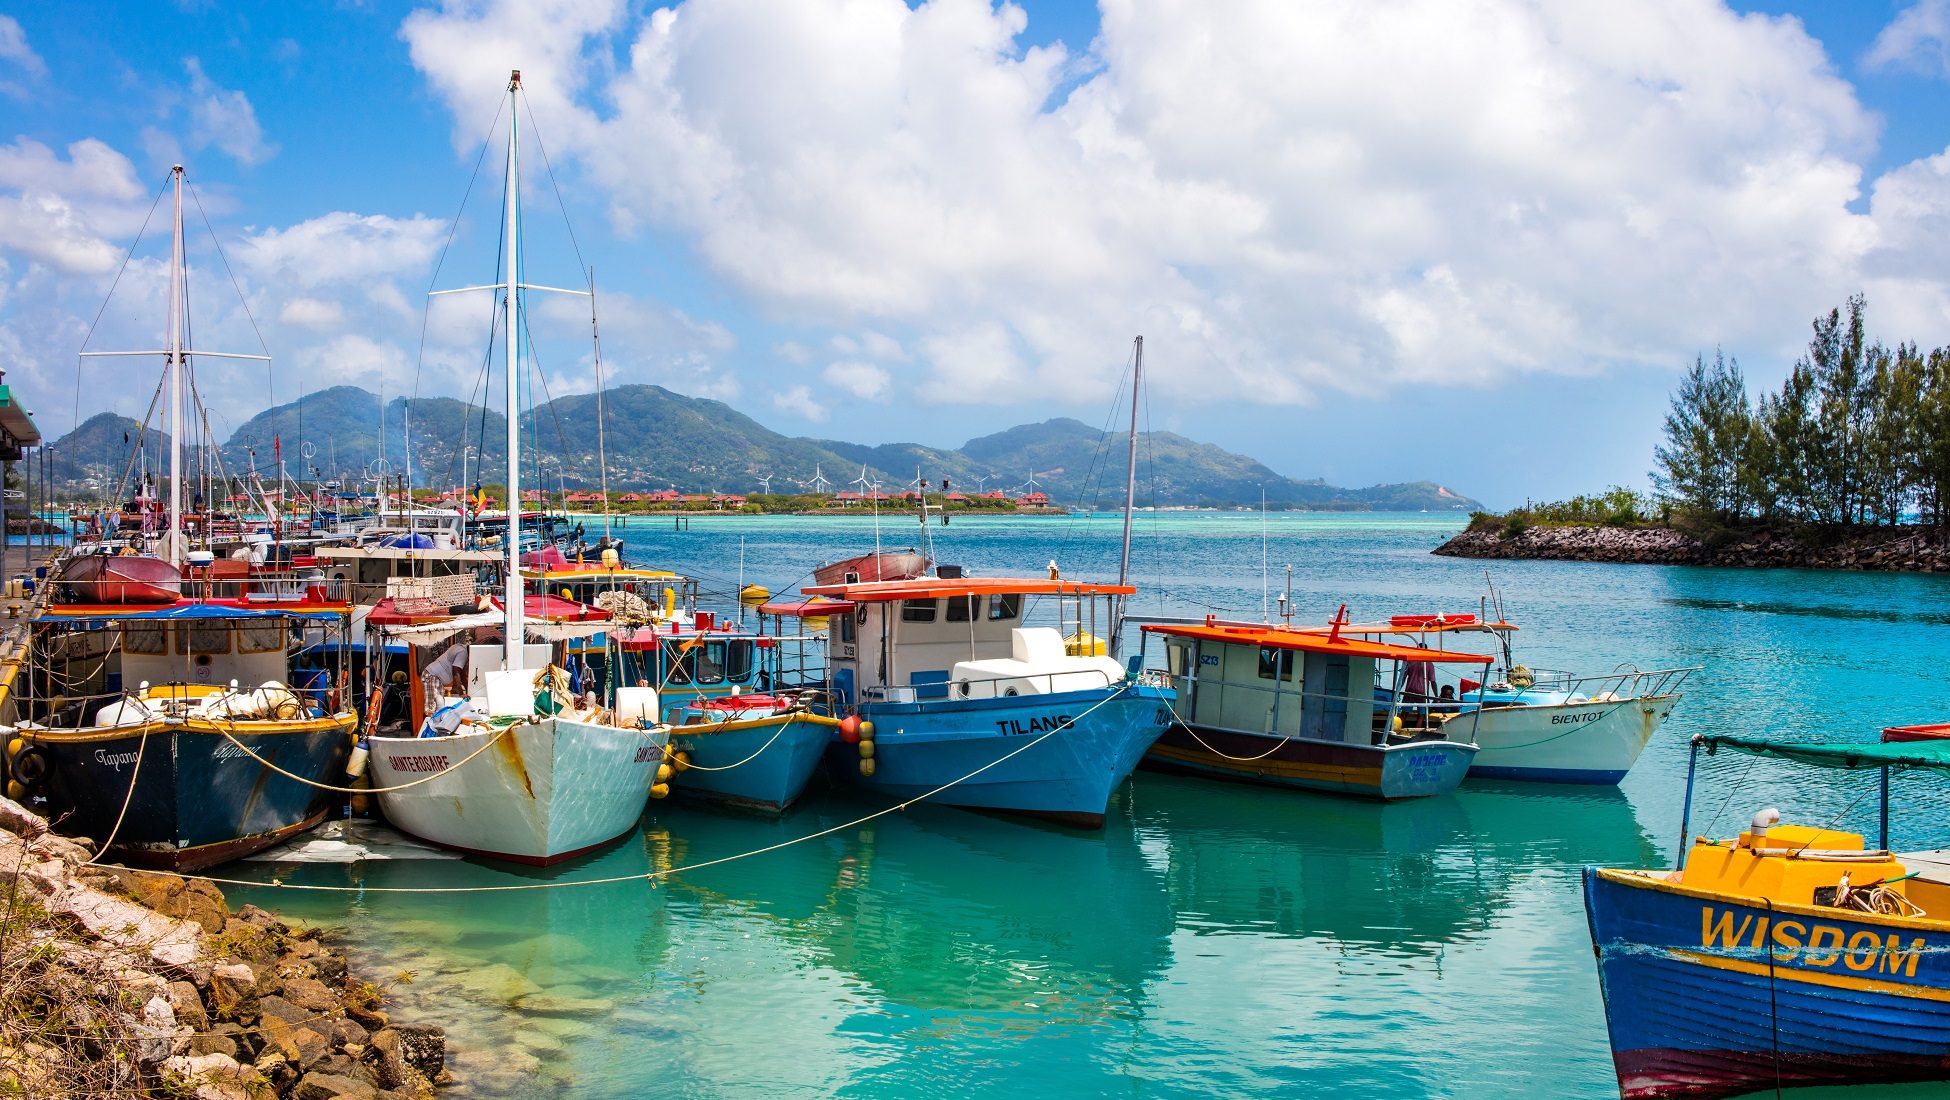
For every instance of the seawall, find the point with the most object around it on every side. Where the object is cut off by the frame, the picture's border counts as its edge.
(1893, 549)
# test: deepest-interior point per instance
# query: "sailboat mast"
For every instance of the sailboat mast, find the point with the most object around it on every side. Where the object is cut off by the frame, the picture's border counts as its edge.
(1130, 495)
(177, 307)
(511, 319)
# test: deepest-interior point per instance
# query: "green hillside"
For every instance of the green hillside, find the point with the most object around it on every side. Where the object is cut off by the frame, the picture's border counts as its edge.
(657, 439)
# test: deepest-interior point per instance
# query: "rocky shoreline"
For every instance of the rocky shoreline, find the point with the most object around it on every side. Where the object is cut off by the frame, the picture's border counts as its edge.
(1893, 549)
(115, 982)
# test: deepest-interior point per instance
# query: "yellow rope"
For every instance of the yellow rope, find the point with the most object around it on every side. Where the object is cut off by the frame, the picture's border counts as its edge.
(359, 790)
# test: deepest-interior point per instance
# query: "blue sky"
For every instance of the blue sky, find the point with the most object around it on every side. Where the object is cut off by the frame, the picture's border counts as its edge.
(1368, 241)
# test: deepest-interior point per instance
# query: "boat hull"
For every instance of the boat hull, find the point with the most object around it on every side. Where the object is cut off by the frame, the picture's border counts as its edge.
(122, 579)
(761, 764)
(1582, 742)
(1710, 995)
(1068, 776)
(1413, 770)
(197, 800)
(867, 568)
(546, 790)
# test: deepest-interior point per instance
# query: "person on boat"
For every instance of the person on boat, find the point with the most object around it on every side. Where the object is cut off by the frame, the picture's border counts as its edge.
(393, 709)
(447, 673)
(1421, 678)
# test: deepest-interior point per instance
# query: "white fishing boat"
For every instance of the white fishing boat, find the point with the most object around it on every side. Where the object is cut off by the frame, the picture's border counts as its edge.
(521, 768)
(1537, 724)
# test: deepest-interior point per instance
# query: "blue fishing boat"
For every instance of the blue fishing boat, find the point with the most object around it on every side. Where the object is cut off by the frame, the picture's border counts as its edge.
(746, 728)
(1786, 956)
(173, 735)
(946, 694)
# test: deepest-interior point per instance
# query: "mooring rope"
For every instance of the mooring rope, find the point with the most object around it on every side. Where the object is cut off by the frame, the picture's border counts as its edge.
(654, 875)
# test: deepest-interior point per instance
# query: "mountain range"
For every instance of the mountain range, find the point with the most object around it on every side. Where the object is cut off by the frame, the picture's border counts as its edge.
(656, 439)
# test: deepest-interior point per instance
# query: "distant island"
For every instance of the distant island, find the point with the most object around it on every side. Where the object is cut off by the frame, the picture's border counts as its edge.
(1846, 466)
(660, 442)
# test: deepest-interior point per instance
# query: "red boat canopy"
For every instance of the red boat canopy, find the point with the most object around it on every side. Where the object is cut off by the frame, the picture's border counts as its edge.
(923, 588)
(1307, 641)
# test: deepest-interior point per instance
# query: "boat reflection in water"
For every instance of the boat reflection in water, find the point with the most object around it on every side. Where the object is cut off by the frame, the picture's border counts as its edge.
(516, 976)
(1326, 946)
(944, 933)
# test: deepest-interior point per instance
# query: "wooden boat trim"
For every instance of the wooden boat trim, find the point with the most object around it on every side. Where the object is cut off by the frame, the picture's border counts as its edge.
(345, 720)
(1828, 912)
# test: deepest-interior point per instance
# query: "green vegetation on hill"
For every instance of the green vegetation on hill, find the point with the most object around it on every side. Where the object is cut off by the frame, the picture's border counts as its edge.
(657, 439)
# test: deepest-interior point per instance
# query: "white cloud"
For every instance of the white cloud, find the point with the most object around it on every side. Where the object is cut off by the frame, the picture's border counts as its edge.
(1286, 197)
(1917, 39)
(224, 118)
(862, 380)
(799, 401)
(61, 212)
(311, 313)
(792, 351)
(343, 247)
(18, 59)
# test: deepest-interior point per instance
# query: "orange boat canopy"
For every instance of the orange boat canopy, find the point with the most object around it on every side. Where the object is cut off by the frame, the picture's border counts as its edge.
(926, 588)
(1308, 641)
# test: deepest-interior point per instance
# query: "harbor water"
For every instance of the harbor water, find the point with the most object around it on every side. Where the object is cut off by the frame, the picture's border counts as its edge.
(1212, 939)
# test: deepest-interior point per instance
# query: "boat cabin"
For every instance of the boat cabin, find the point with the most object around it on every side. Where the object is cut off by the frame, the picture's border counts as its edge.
(1283, 682)
(965, 638)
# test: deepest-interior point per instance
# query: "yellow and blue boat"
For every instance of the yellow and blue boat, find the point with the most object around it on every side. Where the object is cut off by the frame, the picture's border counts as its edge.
(1786, 956)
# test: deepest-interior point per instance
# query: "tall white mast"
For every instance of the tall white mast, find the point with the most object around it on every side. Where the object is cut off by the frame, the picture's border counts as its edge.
(174, 536)
(511, 319)
(1130, 494)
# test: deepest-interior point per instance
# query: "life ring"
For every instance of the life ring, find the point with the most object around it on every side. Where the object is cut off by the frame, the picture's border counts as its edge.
(30, 766)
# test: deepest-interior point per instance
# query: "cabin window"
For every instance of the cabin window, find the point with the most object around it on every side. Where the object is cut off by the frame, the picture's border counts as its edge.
(1005, 605)
(148, 638)
(917, 611)
(680, 664)
(738, 662)
(261, 637)
(1175, 659)
(962, 609)
(1275, 664)
(710, 662)
(202, 638)
(847, 634)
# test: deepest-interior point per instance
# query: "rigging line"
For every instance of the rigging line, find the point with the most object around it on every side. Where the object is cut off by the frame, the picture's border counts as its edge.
(126, 257)
(238, 287)
(602, 407)
(535, 131)
(555, 414)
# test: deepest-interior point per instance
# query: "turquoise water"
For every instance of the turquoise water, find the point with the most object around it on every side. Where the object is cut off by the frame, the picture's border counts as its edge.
(1214, 939)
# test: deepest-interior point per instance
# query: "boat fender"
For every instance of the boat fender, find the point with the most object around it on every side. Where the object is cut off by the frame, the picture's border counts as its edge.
(355, 765)
(866, 750)
(866, 767)
(15, 791)
(681, 761)
(850, 729)
(866, 730)
(30, 766)
(664, 772)
(660, 790)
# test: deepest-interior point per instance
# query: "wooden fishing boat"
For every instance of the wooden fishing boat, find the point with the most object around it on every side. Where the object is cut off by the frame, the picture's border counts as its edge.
(1785, 956)
(174, 735)
(121, 579)
(523, 766)
(1309, 710)
(948, 695)
(890, 565)
(1535, 724)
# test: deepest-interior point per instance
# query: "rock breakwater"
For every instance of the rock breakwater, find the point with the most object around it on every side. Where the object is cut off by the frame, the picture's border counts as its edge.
(1895, 549)
(116, 982)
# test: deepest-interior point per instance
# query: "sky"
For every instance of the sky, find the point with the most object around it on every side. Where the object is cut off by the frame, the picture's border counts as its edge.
(1365, 240)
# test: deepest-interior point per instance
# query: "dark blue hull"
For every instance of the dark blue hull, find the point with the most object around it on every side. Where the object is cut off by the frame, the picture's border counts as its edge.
(198, 800)
(1707, 995)
(988, 756)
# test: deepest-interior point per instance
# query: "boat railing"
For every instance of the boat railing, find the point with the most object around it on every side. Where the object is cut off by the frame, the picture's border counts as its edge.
(1392, 718)
(1622, 683)
(921, 691)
